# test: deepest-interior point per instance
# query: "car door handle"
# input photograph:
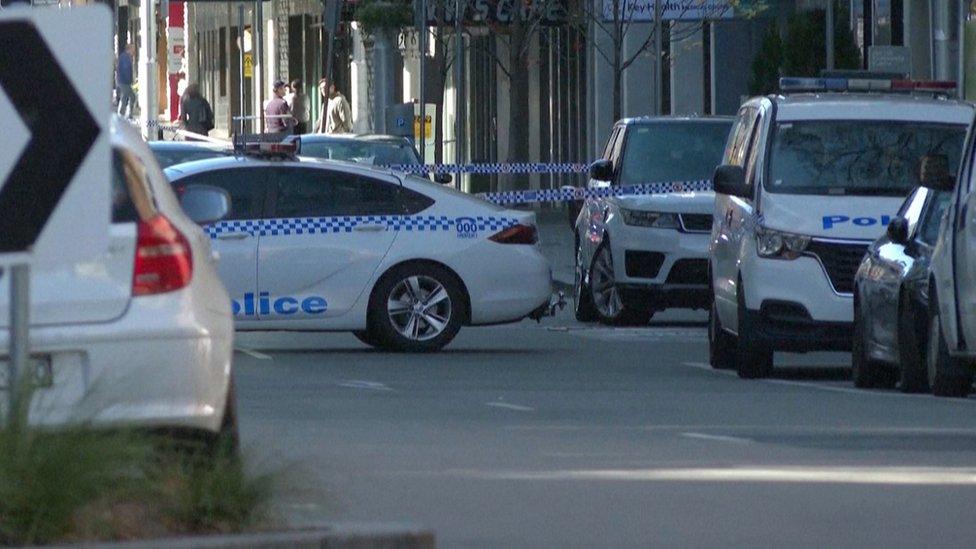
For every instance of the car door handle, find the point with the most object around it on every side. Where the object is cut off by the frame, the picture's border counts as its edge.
(370, 228)
(232, 236)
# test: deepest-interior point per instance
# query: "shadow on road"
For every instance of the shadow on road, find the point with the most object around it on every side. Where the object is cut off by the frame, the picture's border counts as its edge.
(813, 373)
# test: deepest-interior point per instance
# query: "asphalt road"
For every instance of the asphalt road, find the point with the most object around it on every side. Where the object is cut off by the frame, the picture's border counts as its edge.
(570, 435)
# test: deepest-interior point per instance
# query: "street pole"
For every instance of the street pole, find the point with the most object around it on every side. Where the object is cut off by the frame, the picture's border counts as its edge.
(148, 97)
(658, 72)
(259, 59)
(830, 35)
(458, 76)
(17, 372)
(240, 51)
(422, 45)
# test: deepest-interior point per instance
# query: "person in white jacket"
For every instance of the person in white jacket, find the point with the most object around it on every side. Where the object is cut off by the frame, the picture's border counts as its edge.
(337, 115)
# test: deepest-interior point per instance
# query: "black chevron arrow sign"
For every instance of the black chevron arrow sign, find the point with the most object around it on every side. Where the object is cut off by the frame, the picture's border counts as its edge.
(62, 133)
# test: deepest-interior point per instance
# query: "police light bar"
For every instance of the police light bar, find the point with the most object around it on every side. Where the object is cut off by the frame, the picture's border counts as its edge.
(268, 145)
(789, 84)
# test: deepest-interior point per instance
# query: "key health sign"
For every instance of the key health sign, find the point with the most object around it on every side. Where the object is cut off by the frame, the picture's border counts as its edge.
(55, 156)
(671, 10)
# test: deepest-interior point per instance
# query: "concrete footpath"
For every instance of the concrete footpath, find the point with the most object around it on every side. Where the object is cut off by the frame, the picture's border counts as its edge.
(338, 536)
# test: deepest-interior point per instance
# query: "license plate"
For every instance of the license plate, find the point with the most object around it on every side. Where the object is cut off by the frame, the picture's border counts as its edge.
(39, 366)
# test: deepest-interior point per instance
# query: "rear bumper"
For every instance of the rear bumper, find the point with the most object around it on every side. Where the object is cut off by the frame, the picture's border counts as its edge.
(165, 363)
(787, 326)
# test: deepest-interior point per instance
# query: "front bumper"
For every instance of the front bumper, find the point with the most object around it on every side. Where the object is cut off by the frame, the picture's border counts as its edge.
(788, 326)
(644, 255)
(658, 297)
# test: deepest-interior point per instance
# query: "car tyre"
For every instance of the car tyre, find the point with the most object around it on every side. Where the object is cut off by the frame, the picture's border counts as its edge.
(582, 298)
(721, 344)
(947, 376)
(754, 359)
(866, 372)
(912, 346)
(610, 305)
(417, 307)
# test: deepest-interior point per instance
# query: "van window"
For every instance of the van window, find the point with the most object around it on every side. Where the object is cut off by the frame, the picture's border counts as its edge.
(856, 157)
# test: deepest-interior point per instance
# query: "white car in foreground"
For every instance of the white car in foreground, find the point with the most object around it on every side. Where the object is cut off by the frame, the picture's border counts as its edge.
(401, 262)
(141, 336)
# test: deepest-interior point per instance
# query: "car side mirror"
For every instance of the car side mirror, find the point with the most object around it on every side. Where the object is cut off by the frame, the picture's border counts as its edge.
(730, 180)
(443, 178)
(898, 230)
(205, 204)
(601, 170)
(933, 173)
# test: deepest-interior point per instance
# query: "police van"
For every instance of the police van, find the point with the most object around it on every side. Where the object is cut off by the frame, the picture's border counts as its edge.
(809, 179)
(400, 261)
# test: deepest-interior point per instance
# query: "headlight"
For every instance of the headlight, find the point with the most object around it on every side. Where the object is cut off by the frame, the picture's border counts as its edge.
(780, 245)
(657, 220)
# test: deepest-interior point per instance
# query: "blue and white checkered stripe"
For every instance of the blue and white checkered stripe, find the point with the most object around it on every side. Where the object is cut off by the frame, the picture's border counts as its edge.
(492, 168)
(332, 225)
(571, 194)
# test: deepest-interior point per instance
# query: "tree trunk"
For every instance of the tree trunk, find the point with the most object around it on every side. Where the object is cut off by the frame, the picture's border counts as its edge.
(518, 114)
(617, 85)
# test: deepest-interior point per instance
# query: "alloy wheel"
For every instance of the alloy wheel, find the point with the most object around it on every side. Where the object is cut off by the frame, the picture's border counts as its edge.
(606, 296)
(419, 308)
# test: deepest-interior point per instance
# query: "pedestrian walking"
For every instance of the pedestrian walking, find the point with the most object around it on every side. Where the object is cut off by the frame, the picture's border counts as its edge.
(196, 114)
(337, 114)
(124, 78)
(298, 103)
(277, 113)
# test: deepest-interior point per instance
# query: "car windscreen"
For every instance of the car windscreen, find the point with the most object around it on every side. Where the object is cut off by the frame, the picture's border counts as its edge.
(363, 152)
(673, 151)
(856, 157)
(172, 157)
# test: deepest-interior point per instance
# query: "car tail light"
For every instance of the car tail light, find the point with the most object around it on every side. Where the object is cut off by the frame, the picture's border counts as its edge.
(518, 234)
(164, 259)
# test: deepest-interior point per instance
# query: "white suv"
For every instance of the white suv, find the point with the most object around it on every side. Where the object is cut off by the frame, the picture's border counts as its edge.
(807, 183)
(141, 336)
(636, 252)
(951, 356)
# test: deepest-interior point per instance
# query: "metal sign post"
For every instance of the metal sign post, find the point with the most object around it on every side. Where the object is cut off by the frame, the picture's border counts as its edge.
(18, 377)
(421, 9)
(458, 77)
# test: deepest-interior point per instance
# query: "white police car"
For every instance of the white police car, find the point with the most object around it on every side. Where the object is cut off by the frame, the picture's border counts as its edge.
(808, 182)
(400, 261)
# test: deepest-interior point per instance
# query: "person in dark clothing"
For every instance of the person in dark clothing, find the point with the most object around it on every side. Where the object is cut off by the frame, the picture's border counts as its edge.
(124, 78)
(195, 112)
(298, 103)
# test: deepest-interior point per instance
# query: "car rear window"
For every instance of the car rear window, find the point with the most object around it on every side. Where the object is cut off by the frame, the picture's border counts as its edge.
(131, 198)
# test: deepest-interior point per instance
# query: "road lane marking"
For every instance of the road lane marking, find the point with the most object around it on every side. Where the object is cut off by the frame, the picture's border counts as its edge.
(508, 406)
(718, 438)
(254, 354)
(363, 384)
(833, 388)
(912, 476)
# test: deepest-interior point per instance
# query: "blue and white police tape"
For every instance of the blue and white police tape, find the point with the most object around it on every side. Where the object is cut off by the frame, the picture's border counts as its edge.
(492, 168)
(571, 194)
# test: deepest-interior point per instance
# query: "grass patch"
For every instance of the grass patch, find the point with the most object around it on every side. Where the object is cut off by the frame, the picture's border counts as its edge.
(84, 485)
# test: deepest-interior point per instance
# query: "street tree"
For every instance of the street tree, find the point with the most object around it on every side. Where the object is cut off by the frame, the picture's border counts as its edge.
(608, 23)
